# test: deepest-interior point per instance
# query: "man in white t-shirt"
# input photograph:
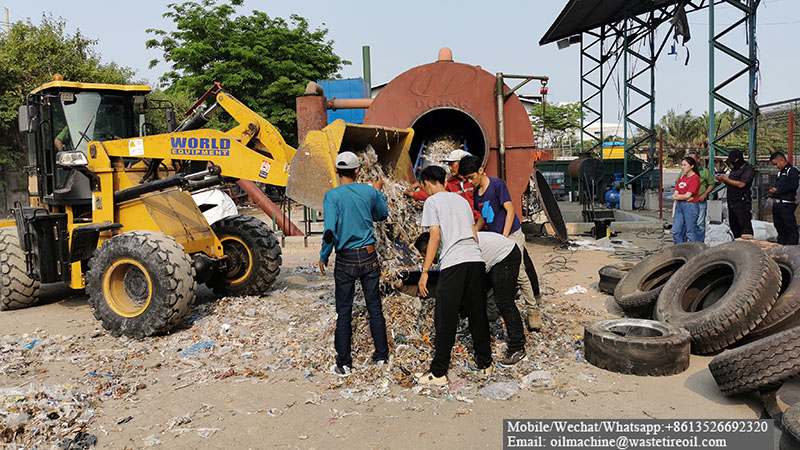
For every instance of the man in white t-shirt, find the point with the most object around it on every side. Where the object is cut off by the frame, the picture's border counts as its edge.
(502, 258)
(449, 220)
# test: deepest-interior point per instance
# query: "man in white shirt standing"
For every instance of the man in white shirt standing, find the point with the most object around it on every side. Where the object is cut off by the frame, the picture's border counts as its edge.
(502, 258)
(449, 220)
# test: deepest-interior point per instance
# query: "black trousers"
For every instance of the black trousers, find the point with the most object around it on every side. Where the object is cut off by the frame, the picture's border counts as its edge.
(460, 284)
(531, 271)
(785, 222)
(504, 279)
(740, 218)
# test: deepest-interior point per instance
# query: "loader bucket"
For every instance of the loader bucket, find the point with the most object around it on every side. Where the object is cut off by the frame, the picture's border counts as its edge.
(311, 172)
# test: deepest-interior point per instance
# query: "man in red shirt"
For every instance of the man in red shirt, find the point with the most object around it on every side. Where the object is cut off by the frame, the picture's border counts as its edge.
(454, 184)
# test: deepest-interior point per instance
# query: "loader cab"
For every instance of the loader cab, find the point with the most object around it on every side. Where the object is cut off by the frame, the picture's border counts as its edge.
(61, 118)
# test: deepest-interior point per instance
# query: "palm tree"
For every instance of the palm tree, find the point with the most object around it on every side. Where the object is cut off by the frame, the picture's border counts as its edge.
(681, 132)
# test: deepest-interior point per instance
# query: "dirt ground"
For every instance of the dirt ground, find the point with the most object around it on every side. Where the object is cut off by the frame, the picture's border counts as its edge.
(151, 394)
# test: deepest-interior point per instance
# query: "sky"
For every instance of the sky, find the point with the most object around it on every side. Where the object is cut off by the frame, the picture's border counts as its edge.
(499, 37)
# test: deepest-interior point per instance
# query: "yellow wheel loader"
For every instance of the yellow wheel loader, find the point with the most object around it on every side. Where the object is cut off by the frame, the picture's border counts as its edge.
(111, 211)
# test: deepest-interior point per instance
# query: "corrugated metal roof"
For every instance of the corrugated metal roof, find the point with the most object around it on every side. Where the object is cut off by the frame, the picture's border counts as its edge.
(579, 16)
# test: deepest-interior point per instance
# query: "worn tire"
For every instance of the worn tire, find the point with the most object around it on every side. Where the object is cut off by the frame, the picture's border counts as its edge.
(610, 276)
(638, 291)
(637, 346)
(141, 283)
(721, 296)
(785, 313)
(790, 422)
(760, 365)
(245, 237)
(17, 289)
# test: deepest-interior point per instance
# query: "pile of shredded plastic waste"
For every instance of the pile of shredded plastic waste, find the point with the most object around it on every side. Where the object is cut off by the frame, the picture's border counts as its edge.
(44, 417)
(395, 236)
(437, 149)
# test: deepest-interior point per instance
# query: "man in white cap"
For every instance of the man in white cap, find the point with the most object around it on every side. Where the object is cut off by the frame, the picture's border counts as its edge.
(350, 212)
(454, 184)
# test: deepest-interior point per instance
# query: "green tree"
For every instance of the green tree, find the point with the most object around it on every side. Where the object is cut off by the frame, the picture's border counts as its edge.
(264, 62)
(556, 122)
(29, 56)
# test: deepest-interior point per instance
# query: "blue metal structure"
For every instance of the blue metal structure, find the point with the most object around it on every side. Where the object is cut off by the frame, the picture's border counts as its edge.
(346, 88)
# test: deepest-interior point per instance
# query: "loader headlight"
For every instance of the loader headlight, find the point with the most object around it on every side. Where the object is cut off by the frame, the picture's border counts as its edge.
(71, 159)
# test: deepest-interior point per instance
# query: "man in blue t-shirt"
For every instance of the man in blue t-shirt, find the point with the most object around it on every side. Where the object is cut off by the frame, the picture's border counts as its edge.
(493, 201)
(350, 211)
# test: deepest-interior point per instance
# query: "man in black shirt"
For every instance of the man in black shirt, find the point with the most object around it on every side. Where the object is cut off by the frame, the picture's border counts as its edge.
(784, 201)
(739, 204)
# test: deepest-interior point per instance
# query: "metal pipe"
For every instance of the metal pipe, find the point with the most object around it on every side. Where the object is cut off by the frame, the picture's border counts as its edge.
(137, 191)
(313, 88)
(711, 118)
(501, 128)
(625, 51)
(752, 5)
(262, 201)
(213, 170)
(348, 103)
(203, 184)
(661, 175)
(367, 68)
(791, 137)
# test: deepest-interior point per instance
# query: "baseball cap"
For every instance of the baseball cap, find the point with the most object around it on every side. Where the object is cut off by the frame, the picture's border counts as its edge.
(455, 155)
(347, 160)
(734, 156)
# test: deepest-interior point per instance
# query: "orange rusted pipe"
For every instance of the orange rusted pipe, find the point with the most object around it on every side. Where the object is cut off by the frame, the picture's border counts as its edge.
(348, 103)
(262, 201)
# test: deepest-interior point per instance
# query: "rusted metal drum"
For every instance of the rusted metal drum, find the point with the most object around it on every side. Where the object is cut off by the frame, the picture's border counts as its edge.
(449, 97)
(586, 168)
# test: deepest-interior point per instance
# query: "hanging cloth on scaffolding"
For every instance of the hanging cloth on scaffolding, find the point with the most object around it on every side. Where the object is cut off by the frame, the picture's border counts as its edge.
(680, 24)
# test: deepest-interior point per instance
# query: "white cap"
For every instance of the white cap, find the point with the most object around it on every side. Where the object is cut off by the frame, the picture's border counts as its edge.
(455, 155)
(347, 160)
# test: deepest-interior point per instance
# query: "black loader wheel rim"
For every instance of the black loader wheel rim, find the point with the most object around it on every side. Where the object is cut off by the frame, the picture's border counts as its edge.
(240, 259)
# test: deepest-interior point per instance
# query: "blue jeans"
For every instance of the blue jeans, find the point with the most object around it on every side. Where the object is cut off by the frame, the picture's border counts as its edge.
(351, 265)
(684, 226)
(701, 221)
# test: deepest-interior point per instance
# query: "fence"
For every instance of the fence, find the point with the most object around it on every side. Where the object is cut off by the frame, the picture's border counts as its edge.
(775, 130)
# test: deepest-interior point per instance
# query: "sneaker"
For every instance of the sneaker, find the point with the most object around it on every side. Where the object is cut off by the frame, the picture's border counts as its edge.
(513, 358)
(342, 371)
(487, 371)
(534, 320)
(429, 379)
(378, 362)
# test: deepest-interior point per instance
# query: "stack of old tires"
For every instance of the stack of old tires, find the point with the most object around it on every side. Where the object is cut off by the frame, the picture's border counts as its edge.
(735, 298)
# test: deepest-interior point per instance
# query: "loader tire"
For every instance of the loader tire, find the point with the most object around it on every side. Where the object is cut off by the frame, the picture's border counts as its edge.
(141, 283)
(638, 291)
(17, 289)
(254, 257)
(758, 366)
(785, 313)
(637, 346)
(610, 276)
(721, 295)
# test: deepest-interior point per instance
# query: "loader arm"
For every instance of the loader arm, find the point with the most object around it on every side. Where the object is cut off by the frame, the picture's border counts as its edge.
(253, 150)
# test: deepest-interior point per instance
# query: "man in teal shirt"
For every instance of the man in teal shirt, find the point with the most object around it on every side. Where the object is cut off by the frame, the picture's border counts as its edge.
(350, 212)
(706, 186)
